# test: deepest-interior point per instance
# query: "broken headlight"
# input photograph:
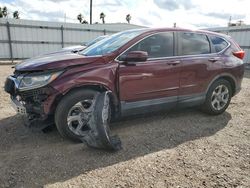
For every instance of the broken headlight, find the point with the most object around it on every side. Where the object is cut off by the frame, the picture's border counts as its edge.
(33, 81)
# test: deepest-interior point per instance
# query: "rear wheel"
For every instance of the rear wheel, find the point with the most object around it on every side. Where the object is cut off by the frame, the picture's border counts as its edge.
(218, 97)
(74, 112)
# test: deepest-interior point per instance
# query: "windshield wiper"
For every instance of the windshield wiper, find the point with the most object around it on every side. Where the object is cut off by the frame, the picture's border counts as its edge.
(74, 51)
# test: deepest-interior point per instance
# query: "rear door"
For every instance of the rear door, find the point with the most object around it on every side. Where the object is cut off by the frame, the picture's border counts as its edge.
(197, 65)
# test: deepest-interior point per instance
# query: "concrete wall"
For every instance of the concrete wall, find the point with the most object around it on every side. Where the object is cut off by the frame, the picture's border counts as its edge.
(27, 38)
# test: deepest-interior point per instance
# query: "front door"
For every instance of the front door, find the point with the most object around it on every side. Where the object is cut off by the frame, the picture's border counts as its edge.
(155, 79)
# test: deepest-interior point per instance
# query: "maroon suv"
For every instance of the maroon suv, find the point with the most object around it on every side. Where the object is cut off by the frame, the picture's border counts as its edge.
(143, 70)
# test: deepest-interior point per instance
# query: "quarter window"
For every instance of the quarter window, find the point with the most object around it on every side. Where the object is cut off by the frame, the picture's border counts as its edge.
(218, 43)
(194, 44)
(158, 45)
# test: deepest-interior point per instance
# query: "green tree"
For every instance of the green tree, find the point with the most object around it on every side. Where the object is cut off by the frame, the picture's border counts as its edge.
(80, 17)
(84, 22)
(102, 16)
(16, 15)
(1, 13)
(128, 18)
(5, 11)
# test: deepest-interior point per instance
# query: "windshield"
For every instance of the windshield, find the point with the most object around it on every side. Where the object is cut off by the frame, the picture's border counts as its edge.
(111, 43)
(96, 40)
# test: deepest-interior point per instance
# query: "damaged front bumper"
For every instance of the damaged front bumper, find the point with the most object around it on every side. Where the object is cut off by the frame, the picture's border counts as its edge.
(18, 106)
(35, 104)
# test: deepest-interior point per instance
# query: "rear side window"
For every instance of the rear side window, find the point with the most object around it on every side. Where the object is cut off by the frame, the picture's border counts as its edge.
(157, 46)
(194, 44)
(218, 43)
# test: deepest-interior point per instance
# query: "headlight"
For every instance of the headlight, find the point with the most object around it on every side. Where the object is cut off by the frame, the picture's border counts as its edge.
(32, 81)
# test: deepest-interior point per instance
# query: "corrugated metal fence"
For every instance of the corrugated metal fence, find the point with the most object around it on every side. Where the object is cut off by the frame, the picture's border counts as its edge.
(241, 34)
(21, 39)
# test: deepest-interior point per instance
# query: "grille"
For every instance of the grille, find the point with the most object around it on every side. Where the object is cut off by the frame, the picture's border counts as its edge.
(36, 95)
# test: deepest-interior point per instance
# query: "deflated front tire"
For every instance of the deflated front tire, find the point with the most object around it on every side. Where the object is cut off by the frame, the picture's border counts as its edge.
(85, 115)
(100, 135)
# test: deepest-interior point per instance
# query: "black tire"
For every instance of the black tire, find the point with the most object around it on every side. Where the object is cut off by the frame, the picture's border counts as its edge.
(63, 108)
(208, 106)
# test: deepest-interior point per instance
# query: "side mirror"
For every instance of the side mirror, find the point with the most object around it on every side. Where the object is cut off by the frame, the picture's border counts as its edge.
(134, 56)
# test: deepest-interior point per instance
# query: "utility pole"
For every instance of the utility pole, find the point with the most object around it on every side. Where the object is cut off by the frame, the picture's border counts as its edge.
(229, 22)
(90, 12)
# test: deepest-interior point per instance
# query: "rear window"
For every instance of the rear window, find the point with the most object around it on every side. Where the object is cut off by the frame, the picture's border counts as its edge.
(218, 43)
(194, 44)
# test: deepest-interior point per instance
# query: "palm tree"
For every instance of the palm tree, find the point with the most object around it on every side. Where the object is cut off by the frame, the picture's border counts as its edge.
(102, 16)
(84, 22)
(128, 18)
(1, 13)
(16, 15)
(80, 18)
(5, 11)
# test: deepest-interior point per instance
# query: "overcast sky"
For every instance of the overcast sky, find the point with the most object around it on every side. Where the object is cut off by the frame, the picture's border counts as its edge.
(151, 13)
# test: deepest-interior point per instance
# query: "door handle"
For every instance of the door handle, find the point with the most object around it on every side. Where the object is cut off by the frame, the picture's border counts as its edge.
(146, 75)
(174, 63)
(214, 59)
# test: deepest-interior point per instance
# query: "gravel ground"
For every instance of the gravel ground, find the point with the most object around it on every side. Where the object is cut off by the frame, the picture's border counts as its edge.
(183, 148)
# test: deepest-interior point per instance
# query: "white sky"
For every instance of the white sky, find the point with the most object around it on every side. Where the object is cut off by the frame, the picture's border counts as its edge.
(151, 13)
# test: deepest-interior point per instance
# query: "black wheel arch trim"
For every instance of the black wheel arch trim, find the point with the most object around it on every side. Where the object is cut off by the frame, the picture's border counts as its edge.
(221, 76)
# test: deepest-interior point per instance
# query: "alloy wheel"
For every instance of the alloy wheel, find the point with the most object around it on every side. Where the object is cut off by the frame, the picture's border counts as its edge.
(220, 97)
(79, 116)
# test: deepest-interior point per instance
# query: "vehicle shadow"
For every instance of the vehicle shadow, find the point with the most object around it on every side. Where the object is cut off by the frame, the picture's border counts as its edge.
(38, 159)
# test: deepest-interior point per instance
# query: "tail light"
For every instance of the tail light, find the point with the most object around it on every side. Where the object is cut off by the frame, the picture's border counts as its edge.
(240, 54)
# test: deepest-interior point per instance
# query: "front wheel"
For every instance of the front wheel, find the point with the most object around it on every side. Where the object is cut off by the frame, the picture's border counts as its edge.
(74, 112)
(218, 97)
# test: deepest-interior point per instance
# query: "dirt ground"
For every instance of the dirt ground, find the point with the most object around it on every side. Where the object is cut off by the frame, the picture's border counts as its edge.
(183, 148)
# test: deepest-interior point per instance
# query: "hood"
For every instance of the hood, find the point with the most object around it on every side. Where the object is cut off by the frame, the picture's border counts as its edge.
(71, 49)
(56, 61)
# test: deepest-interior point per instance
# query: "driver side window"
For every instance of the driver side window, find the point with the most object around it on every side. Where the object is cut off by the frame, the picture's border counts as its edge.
(157, 46)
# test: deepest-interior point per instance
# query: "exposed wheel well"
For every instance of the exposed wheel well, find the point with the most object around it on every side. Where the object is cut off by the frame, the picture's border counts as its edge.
(100, 88)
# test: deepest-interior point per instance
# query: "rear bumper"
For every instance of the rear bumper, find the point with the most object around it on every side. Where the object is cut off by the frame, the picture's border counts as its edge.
(238, 82)
(237, 90)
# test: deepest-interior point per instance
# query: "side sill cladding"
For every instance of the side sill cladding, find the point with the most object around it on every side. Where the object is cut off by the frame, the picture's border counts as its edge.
(145, 106)
(152, 105)
(191, 100)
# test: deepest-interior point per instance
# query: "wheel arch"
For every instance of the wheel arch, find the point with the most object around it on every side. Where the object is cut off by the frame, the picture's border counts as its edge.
(230, 78)
(93, 86)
